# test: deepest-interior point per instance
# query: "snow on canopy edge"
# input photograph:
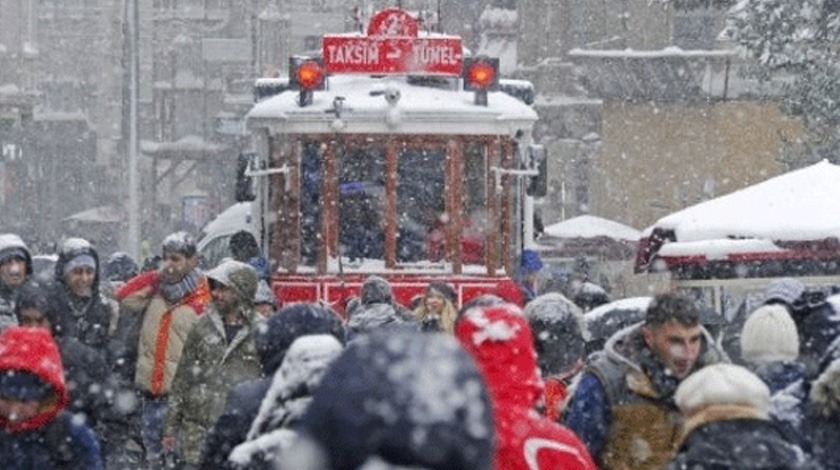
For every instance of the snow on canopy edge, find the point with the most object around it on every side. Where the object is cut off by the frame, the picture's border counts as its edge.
(802, 204)
(590, 226)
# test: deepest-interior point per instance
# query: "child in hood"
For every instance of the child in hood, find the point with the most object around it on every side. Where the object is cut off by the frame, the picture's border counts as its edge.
(35, 430)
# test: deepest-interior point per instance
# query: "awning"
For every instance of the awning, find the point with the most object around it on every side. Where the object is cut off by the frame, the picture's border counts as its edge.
(101, 214)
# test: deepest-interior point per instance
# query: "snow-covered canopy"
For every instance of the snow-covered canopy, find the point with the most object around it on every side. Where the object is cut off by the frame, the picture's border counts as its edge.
(797, 206)
(590, 226)
(414, 109)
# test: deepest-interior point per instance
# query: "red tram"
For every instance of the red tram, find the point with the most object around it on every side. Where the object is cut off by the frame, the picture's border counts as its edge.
(391, 154)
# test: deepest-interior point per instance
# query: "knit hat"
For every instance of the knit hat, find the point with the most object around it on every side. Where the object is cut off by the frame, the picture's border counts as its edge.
(769, 335)
(556, 324)
(237, 276)
(530, 261)
(264, 295)
(786, 290)
(120, 267)
(23, 386)
(80, 261)
(445, 290)
(722, 384)
(376, 290)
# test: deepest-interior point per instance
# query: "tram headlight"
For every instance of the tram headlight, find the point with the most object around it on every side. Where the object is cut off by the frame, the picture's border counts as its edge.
(306, 74)
(480, 74)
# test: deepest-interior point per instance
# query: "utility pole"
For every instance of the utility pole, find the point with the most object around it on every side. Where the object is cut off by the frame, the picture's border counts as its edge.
(132, 14)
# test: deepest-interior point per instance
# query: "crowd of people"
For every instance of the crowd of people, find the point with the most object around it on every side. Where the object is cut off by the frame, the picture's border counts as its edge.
(110, 365)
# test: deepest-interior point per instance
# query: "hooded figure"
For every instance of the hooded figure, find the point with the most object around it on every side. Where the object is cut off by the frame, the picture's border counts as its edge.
(219, 352)
(291, 390)
(727, 423)
(821, 422)
(85, 367)
(273, 338)
(376, 290)
(82, 311)
(407, 399)
(35, 431)
(15, 270)
(500, 341)
(529, 267)
(559, 344)
(367, 318)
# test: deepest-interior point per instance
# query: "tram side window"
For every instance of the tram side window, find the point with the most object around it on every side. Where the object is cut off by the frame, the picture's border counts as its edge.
(475, 194)
(310, 202)
(420, 201)
(361, 195)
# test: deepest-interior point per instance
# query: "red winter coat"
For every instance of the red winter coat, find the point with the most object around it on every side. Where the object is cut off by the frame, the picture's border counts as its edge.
(500, 340)
(33, 350)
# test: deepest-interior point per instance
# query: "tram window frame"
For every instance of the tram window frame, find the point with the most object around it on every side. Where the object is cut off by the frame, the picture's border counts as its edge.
(471, 177)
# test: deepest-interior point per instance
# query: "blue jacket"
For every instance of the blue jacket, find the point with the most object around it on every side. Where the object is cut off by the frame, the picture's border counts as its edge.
(63, 444)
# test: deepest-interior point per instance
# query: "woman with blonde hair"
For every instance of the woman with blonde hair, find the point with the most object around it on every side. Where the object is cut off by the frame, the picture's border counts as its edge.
(437, 311)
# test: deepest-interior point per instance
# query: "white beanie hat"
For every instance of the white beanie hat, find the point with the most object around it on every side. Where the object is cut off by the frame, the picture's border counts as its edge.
(769, 335)
(722, 384)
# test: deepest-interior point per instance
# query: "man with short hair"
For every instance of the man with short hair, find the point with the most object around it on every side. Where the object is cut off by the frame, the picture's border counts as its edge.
(623, 407)
(219, 352)
(15, 269)
(170, 301)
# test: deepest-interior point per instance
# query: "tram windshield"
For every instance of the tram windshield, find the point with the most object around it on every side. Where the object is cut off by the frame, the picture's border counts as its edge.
(419, 199)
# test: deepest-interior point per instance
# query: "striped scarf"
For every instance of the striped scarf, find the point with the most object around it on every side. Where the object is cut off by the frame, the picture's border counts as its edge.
(176, 291)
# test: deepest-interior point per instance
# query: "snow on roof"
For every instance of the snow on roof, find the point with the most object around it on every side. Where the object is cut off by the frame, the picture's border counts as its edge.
(718, 249)
(671, 51)
(799, 205)
(590, 226)
(420, 109)
(630, 303)
(233, 219)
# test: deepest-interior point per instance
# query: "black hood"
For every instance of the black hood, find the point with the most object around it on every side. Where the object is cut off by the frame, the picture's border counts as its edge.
(275, 335)
(415, 400)
(70, 249)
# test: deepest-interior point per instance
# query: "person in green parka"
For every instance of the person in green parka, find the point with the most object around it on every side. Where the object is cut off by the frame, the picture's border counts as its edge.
(219, 352)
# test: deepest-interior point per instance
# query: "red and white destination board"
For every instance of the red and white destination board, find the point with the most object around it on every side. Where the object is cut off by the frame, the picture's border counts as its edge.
(392, 46)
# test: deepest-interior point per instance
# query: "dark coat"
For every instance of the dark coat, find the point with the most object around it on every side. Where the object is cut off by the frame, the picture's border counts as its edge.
(818, 327)
(821, 422)
(286, 400)
(272, 339)
(89, 323)
(369, 405)
(739, 443)
(50, 439)
(63, 444)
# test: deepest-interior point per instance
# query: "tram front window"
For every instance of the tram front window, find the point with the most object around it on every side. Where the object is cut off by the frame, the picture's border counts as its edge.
(420, 201)
(361, 194)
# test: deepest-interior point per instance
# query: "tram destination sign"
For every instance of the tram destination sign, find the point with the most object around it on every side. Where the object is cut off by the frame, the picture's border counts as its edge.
(392, 45)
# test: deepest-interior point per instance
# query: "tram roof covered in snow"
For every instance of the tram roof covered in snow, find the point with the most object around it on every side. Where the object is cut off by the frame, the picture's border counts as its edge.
(366, 107)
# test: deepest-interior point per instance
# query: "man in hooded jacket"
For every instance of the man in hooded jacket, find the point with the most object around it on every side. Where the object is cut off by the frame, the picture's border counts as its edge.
(500, 341)
(15, 270)
(219, 352)
(75, 297)
(623, 407)
(35, 430)
(272, 339)
(401, 399)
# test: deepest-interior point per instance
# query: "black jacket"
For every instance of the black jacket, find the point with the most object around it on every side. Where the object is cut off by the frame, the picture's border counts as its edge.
(739, 443)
